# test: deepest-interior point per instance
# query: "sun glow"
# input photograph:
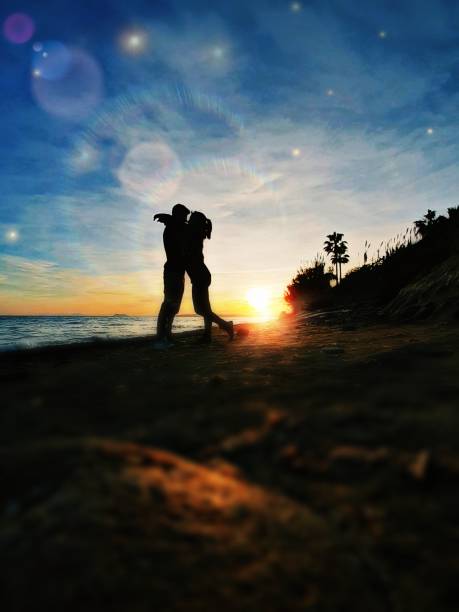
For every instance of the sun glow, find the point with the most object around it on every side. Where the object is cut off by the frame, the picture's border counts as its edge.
(259, 299)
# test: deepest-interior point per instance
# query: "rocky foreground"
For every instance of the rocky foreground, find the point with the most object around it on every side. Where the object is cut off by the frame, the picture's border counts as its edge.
(311, 465)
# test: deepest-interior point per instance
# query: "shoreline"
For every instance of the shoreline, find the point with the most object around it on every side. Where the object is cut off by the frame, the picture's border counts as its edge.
(141, 340)
(93, 340)
(88, 344)
(101, 343)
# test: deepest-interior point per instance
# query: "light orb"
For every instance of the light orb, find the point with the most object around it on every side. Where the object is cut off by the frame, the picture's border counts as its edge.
(382, 34)
(296, 152)
(295, 7)
(18, 28)
(330, 92)
(430, 131)
(217, 52)
(12, 235)
(134, 42)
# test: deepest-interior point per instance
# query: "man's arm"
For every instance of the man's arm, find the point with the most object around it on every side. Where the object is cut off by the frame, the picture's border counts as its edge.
(162, 218)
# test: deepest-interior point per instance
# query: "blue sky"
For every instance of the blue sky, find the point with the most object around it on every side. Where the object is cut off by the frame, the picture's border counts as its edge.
(282, 121)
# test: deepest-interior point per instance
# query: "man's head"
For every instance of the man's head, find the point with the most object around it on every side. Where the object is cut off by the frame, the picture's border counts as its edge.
(180, 212)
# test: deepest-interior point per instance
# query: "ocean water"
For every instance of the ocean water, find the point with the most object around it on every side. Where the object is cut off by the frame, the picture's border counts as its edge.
(30, 332)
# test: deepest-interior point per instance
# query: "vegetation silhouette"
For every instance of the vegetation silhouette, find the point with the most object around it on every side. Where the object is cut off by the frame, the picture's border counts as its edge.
(424, 226)
(408, 257)
(336, 247)
(309, 284)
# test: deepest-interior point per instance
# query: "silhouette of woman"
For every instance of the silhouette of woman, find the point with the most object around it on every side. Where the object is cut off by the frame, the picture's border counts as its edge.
(199, 228)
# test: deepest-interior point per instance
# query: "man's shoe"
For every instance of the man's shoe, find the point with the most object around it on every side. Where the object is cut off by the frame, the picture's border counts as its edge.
(162, 344)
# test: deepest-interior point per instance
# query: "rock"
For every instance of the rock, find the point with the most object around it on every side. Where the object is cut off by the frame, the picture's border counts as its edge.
(217, 380)
(289, 452)
(420, 464)
(359, 454)
(333, 350)
(275, 417)
(242, 330)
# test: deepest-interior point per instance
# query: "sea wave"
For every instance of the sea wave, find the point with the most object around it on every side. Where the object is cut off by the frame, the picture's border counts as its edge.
(23, 333)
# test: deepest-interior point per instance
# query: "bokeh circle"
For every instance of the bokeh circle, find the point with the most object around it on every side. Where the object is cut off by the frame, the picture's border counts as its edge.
(51, 60)
(77, 93)
(150, 171)
(18, 28)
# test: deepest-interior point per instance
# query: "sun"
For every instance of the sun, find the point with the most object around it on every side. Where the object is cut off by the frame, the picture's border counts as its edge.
(260, 299)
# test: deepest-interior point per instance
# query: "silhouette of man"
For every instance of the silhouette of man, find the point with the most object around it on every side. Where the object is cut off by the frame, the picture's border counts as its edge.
(174, 237)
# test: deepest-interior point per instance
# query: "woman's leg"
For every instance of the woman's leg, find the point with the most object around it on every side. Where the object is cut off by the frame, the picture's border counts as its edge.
(227, 326)
(210, 316)
(201, 303)
(198, 293)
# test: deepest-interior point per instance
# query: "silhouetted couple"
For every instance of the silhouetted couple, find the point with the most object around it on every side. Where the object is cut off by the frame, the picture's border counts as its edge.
(183, 242)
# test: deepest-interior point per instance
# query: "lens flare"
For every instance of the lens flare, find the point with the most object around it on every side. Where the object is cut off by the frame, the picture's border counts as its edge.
(53, 60)
(76, 93)
(84, 159)
(18, 28)
(150, 171)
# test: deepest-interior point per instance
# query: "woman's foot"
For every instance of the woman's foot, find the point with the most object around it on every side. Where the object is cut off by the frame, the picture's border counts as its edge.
(229, 328)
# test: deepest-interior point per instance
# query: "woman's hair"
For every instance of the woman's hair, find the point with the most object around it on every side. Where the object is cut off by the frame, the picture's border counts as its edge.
(200, 224)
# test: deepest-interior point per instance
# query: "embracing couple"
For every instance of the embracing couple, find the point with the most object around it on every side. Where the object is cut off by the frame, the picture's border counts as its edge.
(183, 242)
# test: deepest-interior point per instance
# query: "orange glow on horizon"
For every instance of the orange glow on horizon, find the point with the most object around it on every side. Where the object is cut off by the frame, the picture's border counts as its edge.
(131, 306)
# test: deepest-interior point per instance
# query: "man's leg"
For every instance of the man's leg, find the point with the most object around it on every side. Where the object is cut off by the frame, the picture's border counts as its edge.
(174, 286)
(163, 315)
(161, 324)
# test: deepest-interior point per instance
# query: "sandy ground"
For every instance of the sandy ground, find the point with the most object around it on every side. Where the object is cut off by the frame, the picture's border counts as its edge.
(311, 465)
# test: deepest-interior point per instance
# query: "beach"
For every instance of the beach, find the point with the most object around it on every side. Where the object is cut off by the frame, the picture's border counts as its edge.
(312, 463)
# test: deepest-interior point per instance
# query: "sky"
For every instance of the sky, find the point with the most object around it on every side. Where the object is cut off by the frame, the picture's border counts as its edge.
(281, 121)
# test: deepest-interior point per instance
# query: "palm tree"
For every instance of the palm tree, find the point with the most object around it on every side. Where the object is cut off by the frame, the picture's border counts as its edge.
(336, 247)
(424, 225)
(343, 257)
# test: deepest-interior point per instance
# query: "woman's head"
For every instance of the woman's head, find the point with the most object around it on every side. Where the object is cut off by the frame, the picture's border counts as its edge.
(199, 223)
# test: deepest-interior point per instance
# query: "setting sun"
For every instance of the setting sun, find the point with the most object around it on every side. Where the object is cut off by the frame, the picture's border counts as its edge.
(259, 298)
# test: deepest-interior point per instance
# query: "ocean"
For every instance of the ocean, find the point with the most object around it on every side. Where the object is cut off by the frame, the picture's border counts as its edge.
(30, 332)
